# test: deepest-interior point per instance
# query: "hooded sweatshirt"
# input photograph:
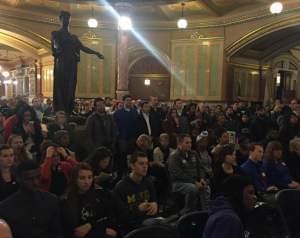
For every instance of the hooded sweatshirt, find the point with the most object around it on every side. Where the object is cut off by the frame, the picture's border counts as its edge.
(223, 221)
(132, 194)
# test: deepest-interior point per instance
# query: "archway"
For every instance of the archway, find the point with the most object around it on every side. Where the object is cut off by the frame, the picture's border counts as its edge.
(20, 51)
(258, 55)
(148, 77)
(260, 32)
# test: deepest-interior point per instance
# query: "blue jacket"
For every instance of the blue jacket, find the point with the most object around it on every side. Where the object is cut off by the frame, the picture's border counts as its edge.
(223, 221)
(278, 174)
(256, 173)
(126, 123)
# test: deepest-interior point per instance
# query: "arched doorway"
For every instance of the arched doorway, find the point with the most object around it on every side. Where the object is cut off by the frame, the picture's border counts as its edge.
(20, 50)
(268, 66)
(148, 77)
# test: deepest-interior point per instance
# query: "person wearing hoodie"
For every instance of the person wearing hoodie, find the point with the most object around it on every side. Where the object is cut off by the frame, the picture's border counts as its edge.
(227, 212)
(137, 192)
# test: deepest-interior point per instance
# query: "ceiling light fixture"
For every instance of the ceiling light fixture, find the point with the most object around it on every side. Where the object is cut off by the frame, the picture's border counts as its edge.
(276, 8)
(182, 23)
(125, 23)
(92, 22)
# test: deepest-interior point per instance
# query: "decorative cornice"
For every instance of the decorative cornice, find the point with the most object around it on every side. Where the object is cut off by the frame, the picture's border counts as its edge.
(90, 35)
(250, 66)
(150, 76)
(256, 14)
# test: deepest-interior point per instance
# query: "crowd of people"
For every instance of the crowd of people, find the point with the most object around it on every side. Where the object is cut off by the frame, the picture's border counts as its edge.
(107, 168)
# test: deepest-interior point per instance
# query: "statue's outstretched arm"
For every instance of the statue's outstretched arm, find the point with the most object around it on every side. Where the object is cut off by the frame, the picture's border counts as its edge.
(90, 51)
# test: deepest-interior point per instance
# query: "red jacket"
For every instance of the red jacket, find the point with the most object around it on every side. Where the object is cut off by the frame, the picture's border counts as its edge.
(46, 171)
(8, 126)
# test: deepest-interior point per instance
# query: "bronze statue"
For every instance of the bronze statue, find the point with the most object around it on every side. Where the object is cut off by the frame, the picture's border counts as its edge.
(66, 49)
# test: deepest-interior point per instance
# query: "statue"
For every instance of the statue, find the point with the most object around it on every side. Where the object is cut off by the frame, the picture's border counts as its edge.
(66, 51)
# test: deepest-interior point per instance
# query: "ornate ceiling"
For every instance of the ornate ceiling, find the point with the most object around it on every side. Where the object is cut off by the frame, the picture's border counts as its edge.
(10, 56)
(146, 9)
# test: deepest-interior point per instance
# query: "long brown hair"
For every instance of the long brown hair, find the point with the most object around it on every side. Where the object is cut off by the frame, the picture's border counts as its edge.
(23, 155)
(271, 146)
(73, 187)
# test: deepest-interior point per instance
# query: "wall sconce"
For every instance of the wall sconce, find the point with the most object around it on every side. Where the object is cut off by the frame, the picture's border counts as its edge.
(147, 82)
(278, 79)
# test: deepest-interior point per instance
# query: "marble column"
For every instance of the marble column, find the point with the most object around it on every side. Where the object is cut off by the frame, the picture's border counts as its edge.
(38, 81)
(122, 53)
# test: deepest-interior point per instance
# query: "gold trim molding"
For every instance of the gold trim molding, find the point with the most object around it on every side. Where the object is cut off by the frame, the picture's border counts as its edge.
(150, 76)
(260, 32)
(250, 66)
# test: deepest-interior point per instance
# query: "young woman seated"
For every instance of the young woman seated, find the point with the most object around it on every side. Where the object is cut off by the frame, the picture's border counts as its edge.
(225, 167)
(277, 172)
(90, 212)
(17, 144)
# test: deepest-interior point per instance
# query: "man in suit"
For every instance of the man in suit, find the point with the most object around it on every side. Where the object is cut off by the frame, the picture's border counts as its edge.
(145, 120)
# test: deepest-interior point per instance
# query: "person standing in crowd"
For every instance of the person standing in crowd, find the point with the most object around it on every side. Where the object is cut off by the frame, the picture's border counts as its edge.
(184, 126)
(48, 108)
(101, 163)
(276, 170)
(225, 167)
(254, 170)
(125, 120)
(289, 129)
(29, 127)
(187, 175)
(8, 184)
(260, 125)
(31, 212)
(37, 107)
(20, 152)
(144, 120)
(227, 212)
(171, 126)
(12, 119)
(60, 123)
(56, 169)
(100, 127)
(88, 211)
(137, 192)
(244, 127)
(157, 119)
(230, 120)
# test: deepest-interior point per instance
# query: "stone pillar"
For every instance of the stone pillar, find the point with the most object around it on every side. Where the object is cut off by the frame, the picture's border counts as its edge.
(122, 53)
(38, 74)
